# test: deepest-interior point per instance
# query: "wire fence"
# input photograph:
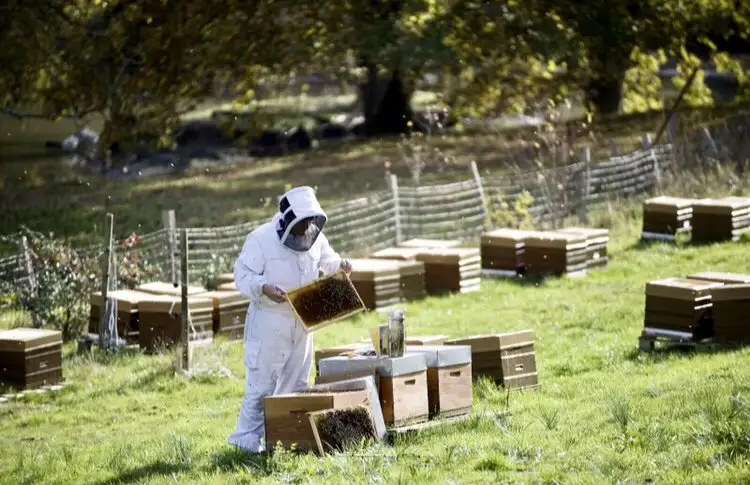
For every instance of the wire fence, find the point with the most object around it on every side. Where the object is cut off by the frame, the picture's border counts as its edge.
(460, 210)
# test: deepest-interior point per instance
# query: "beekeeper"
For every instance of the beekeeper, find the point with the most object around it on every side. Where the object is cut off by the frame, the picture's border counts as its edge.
(282, 254)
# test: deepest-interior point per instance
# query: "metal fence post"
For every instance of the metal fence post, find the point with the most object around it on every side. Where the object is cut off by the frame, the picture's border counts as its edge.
(585, 183)
(106, 267)
(169, 221)
(480, 190)
(647, 145)
(183, 357)
(396, 206)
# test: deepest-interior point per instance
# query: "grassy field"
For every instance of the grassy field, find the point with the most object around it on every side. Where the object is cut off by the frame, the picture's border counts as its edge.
(605, 413)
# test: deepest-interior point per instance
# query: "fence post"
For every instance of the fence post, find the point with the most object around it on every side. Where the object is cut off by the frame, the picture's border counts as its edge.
(169, 221)
(647, 145)
(106, 267)
(480, 189)
(183, 351)
(613, 148)
(33, 284)
(396, 206)
(585, 183)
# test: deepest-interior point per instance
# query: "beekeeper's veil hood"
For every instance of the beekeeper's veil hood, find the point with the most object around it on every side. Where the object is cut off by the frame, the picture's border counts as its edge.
(296, 206)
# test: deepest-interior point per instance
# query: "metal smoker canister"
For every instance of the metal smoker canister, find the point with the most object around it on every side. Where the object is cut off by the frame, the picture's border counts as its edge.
(396, 337)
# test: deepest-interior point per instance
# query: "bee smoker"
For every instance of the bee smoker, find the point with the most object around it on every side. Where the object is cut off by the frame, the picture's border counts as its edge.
(396, 336)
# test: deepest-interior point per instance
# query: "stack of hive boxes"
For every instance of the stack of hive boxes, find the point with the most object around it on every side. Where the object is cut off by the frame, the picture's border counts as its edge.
(377, 281)
(665, 217)
(230, 310)
(680, 307)
(451, 269)
(160, 320)
(30, 357)
(162, 288)
(412, 272)
(596, 244)
(716, 220)
(507, 358)
(502, 251)
(556, 253)
(731, 305)
(127, 312)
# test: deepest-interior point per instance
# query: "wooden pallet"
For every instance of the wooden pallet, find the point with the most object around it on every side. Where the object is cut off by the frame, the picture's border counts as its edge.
(648, 341)
(15, 395)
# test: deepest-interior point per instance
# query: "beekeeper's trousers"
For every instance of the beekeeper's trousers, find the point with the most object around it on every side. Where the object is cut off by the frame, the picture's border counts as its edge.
(278, 359)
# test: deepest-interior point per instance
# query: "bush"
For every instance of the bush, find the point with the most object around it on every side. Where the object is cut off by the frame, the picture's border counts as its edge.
(57, 297)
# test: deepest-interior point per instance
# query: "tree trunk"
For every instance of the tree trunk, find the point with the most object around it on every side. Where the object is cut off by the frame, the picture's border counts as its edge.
(386, 103)
(605, 94)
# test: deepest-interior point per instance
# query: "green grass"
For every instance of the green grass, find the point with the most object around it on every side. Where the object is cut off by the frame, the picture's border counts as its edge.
(604, 413)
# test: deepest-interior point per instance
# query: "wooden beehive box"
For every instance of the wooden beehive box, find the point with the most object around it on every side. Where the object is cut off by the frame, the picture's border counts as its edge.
(502, 251)
(127, 312)
(162, 288)
(430, 243)
(731, 313)
(230, 312)
(716, 220)
(30, 357)
(556, 253)
(231, 286)
(412, 280)
(449, 379)
(325, 301)
(402, 383)
(286, 415)
(160, 320)
(680, 305)
(224, 278)
(451, 270)
(596, 244)
(377, 281)
(507, 358)
(664, 217)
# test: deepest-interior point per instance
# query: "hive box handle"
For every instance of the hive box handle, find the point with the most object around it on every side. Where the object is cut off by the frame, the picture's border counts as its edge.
(519, 367)
(410, 382)
(455, 373)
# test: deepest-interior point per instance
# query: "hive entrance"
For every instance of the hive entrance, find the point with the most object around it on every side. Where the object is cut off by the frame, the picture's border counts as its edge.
(341, 429)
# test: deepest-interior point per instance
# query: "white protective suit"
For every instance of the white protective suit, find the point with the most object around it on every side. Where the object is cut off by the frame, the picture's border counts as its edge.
(278, 353)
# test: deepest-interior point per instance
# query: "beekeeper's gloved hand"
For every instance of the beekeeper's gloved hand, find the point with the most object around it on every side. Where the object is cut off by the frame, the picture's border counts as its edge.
(274, 293)
(346, 266)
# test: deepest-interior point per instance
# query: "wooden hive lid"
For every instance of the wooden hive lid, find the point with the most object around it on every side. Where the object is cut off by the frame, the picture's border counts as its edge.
(163, 288)
(127, 300)
(225, 278)
(680, 288)
(506, 237)
(430, 243)
(173, 304)
(371, 269)
(732, 292)
(409, 268)
(231, 286)
(449, 255)
(668, 204)
(222, 298)
(405, 254)
(23, 339)
(437, 356)
(719, 277)
(720, 206)
(495, 341)
(557, 240)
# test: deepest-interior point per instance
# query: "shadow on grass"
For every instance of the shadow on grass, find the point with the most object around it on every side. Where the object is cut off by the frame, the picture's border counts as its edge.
(662, 353)
(232, 459)
(143, 473)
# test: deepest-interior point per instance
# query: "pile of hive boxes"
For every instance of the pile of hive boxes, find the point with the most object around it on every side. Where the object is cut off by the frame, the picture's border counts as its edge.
(434, 267)
(432, 381)
(150, 315)
(569, 251)
(699, 307)
(707, 220)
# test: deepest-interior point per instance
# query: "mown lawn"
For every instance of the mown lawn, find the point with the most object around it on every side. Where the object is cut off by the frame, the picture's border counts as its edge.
(605, 413)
